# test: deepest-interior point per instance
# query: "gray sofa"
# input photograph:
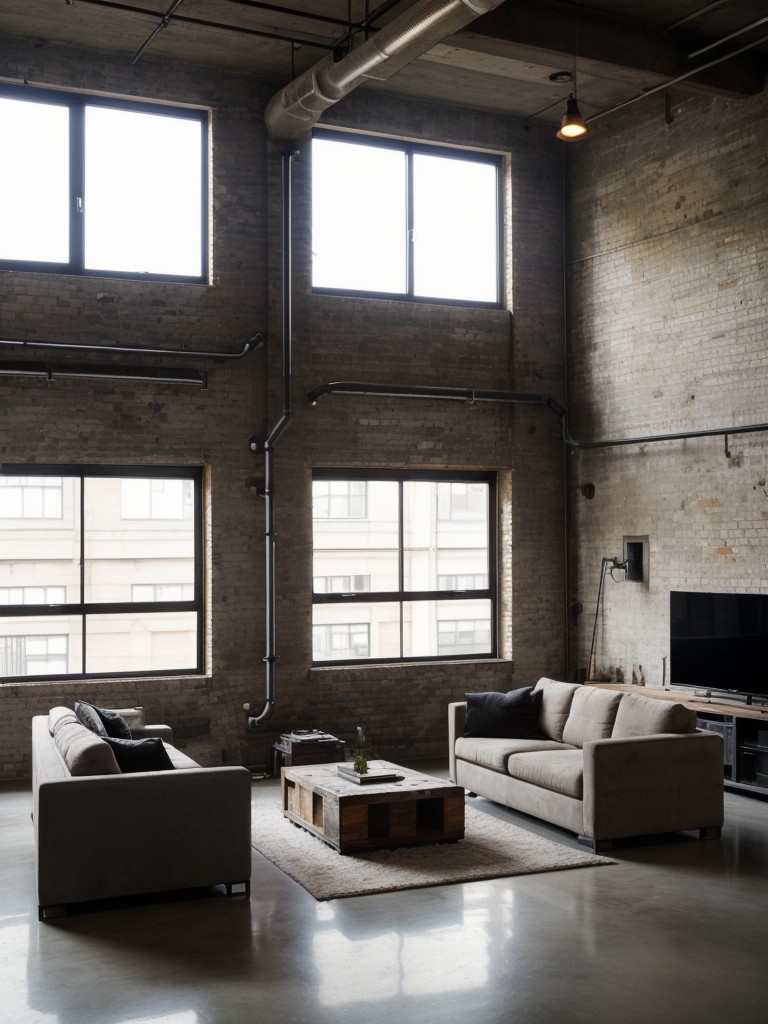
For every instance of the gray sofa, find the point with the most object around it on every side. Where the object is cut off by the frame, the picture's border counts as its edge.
(607, 766)
(102, 833)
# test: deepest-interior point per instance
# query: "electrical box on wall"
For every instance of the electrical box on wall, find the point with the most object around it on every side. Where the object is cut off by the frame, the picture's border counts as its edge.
(636, 557)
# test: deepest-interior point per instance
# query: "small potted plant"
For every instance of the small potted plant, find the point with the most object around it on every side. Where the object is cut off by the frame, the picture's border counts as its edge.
(361, 753)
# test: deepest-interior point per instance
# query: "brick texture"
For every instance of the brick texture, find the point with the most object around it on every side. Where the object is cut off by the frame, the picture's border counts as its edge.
(401, 708)
(667, 283)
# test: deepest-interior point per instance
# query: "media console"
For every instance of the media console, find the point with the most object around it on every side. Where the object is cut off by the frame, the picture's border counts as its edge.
(744, 728)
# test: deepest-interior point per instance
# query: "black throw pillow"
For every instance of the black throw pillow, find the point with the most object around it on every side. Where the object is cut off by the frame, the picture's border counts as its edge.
(147, 755)
(112, 723)
(513, 715)
(87, 716)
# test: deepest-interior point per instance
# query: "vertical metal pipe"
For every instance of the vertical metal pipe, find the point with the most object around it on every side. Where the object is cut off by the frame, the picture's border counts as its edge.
(270, 658)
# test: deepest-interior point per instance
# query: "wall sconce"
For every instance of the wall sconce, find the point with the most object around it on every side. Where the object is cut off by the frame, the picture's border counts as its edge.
(618, 573)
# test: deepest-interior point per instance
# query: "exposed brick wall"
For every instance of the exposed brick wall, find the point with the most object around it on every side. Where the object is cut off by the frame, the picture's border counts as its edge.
(668, 296)
(402, 708)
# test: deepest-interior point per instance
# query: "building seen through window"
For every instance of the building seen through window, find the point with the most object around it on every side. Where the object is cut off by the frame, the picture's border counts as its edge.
(425, 554)
(109, 585)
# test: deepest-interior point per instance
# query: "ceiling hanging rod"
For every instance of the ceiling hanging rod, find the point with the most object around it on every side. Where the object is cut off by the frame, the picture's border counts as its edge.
(679, 78)
(163, 23)
(727, 39)
(292, 12)
(203, 23)
(251, 345)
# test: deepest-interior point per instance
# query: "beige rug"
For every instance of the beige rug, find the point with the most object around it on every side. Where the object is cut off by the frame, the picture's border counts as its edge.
(490, 849)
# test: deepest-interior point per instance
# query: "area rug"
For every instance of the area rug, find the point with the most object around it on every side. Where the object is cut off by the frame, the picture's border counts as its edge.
(491, 848)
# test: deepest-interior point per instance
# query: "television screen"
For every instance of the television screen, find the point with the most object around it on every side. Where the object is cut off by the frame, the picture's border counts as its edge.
(719, 641)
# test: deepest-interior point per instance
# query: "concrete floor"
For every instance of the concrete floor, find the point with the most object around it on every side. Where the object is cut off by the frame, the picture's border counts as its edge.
(676, 931)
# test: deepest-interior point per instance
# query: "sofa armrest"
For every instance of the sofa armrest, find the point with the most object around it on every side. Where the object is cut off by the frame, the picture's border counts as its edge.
(114, 835)
(651, 784)
(165, 732)
(457, 715)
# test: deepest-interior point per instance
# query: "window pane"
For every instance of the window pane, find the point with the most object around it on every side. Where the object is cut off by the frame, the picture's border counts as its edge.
(39, 646)
(34, 181)
(143, 186)
(154, 549)
(145, 642)
(358, 217)
(341, 632)
(40, 552)
(455, 229)
(435, 547)
(446, 628)
(352, 547)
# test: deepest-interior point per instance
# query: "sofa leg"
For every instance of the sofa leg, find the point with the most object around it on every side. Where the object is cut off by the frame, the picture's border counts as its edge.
(245, 891)
(711, 832)
(46, 913)
(597, 845)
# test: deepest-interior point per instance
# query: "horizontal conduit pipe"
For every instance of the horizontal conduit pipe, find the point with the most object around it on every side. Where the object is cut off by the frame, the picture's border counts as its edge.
(472, 395)
(154, 376)
(251, 345)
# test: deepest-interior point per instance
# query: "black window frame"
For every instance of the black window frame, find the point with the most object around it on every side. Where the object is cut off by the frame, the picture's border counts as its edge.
(409, 149)
(83, 608)
(76, 103)
(401, 595)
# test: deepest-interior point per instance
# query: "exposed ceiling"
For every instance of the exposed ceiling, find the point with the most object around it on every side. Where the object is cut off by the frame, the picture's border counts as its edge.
(502, 62)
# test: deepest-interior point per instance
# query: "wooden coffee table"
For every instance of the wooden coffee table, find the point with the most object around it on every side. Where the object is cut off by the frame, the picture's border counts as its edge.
(415, 809)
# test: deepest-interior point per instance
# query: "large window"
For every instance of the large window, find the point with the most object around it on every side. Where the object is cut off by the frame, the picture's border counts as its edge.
(424, 550)
(90, 185)
(110, 586)
(405, 220)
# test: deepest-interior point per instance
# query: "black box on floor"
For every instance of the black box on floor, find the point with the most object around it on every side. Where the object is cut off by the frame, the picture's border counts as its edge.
(307, 747)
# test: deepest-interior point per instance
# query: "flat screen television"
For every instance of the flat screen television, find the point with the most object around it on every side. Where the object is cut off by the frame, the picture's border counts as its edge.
(719, 643)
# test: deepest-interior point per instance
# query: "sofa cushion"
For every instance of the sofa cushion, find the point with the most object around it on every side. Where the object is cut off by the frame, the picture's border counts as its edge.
(147, 755)
(112, 722)
(592, 715)
(495, 753)
(644, 716)
(88, 716)
(84, 752)
(562, 771)
(555, 705)
(513, 715)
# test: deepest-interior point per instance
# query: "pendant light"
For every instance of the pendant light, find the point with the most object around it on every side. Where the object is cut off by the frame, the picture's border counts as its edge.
(572, 126)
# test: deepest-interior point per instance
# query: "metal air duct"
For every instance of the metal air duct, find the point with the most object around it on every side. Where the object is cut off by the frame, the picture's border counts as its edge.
(300, 104)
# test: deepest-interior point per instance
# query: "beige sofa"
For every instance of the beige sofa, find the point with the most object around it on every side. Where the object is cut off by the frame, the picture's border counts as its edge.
(102, 833)
(608, 765)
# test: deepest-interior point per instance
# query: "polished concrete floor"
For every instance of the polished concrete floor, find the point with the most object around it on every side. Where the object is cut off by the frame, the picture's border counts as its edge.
(676, 931)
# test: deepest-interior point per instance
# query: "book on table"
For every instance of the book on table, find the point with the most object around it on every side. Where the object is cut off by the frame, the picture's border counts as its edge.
(372, 776)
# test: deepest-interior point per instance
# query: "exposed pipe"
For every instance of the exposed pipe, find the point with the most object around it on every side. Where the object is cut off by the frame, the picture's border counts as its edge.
(251, 345)
(163, 23)
(300, 104)
(153, 375)
(473, 395)
(673, 81)
(204, 23)
(270, 658)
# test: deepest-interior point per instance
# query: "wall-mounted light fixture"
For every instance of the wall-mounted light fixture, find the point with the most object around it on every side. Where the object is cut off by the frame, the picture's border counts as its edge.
(618, 572)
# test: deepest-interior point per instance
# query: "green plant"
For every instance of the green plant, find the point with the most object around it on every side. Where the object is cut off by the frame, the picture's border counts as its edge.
(361, 753)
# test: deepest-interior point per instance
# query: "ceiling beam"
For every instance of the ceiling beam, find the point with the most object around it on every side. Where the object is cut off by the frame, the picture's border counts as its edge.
(553, 33)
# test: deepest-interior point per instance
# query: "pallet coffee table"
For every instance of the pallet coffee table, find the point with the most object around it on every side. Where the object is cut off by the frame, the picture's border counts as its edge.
(411, 810)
